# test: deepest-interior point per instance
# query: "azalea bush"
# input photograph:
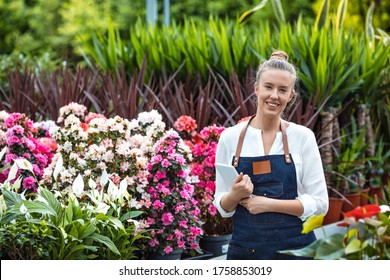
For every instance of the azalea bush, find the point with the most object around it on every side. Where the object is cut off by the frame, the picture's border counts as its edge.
(367, 236)
(173, 215)
(122, 165)
(203, 146)
(19, 140)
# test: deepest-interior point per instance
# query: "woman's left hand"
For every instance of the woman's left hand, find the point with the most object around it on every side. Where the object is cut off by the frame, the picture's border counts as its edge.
(255, 204)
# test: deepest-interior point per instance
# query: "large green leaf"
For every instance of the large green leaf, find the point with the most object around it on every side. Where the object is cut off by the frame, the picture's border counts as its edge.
(308, 251)
(332, 248)
(39, 207)
(51, 200)
(106, 241)
(323, 14)
(11, 198)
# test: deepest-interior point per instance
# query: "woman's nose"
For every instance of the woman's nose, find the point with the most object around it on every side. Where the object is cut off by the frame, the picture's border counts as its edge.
(274, 94)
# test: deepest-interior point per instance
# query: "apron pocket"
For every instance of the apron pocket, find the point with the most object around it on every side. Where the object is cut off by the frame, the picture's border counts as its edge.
(239, 253)
(272, 190)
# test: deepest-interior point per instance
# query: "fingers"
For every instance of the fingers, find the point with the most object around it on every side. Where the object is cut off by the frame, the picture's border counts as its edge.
(239, 178)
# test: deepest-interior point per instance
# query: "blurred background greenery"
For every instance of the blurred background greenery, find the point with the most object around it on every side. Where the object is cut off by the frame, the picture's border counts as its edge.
(105, 55)
(34, 27)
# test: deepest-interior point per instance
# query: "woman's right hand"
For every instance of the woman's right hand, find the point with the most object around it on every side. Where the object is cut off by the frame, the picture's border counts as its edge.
(242, 187)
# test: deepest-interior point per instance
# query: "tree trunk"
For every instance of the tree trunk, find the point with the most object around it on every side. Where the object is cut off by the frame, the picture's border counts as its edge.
(326, 143)
(370, 138)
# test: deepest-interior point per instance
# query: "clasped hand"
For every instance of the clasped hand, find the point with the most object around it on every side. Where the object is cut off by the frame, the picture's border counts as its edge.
(243, 189)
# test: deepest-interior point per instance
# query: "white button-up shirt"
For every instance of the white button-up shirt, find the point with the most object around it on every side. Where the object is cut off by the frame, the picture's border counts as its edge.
(312, 190)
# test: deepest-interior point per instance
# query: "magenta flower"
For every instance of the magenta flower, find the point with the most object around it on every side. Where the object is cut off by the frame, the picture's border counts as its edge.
(158, 204)
(167, 219)
(29, 183)
(168, 249)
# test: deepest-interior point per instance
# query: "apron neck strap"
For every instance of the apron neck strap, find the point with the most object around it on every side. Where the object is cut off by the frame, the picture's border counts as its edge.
(241, 141)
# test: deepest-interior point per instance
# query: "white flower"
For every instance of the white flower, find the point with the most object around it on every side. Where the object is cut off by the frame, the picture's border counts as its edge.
(78, 186)
(104, 178)
(384, 208)
(102, 208)
(59, 166)
(24, 164)
(3, 151)
(23, 209)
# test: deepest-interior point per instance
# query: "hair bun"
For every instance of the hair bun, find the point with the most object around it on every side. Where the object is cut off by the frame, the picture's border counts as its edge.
(279, 55)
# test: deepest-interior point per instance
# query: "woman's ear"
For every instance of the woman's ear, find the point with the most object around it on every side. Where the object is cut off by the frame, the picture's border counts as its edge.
(293, 95)
(256, 87)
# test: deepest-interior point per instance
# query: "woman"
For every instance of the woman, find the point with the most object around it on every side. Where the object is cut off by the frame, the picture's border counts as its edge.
(281, 180)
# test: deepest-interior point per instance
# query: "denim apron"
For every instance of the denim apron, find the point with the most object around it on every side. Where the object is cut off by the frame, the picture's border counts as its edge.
(261, 236)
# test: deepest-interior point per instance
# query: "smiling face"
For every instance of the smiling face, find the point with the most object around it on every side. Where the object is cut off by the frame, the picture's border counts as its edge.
(274, 90)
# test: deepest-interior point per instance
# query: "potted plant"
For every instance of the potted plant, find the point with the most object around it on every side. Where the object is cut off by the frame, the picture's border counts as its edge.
(367, 236)
(216, 229)
(172, 214)
(375, 171)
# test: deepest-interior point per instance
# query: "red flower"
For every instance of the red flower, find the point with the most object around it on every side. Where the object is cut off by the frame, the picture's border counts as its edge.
(366, 211)
(84, 126)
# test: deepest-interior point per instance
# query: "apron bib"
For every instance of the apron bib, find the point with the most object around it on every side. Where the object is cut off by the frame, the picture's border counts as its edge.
(260, 236)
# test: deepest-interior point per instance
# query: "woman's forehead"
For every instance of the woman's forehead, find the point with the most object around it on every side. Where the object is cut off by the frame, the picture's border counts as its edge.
(277, 76)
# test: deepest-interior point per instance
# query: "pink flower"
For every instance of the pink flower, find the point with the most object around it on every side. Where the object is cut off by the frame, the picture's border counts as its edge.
(170, 237)
(167, 219)
(165, 163)
(196, 231)
(183, 223)
(29, 183)
(156, 159)
(178, 234)
(182, 173)
(181, 244)
(158, 204)
(168, 249)
(154, 242)
(10, 157)
(160, 175)
(91, 116)
(13, 119)
(185, 195)
(212, 210)
(185, 123)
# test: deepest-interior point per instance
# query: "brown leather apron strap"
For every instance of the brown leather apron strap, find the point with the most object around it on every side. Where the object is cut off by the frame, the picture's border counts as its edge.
(241, 141)
(285, 142)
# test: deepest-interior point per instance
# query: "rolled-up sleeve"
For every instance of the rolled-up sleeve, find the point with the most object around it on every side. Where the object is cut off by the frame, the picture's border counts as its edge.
(222, 156)
(312, 190)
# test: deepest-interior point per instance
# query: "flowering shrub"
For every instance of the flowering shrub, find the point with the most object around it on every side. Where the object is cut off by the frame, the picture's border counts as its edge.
(48, 227)
(203, 146)
(19, 137)
(367, 236)
(173, 216)
(108, 162)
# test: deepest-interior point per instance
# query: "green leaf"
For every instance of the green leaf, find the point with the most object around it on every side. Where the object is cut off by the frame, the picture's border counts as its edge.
(39, 207)
(51, 200)
(278, 10)
(77, 252)
(106, 241)
(353, 247)
(332, 248)
(308, 251)
(322, 16)
(341, 12)
(11, 198)
(369, 29)
(86, 230)
(246, 14)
